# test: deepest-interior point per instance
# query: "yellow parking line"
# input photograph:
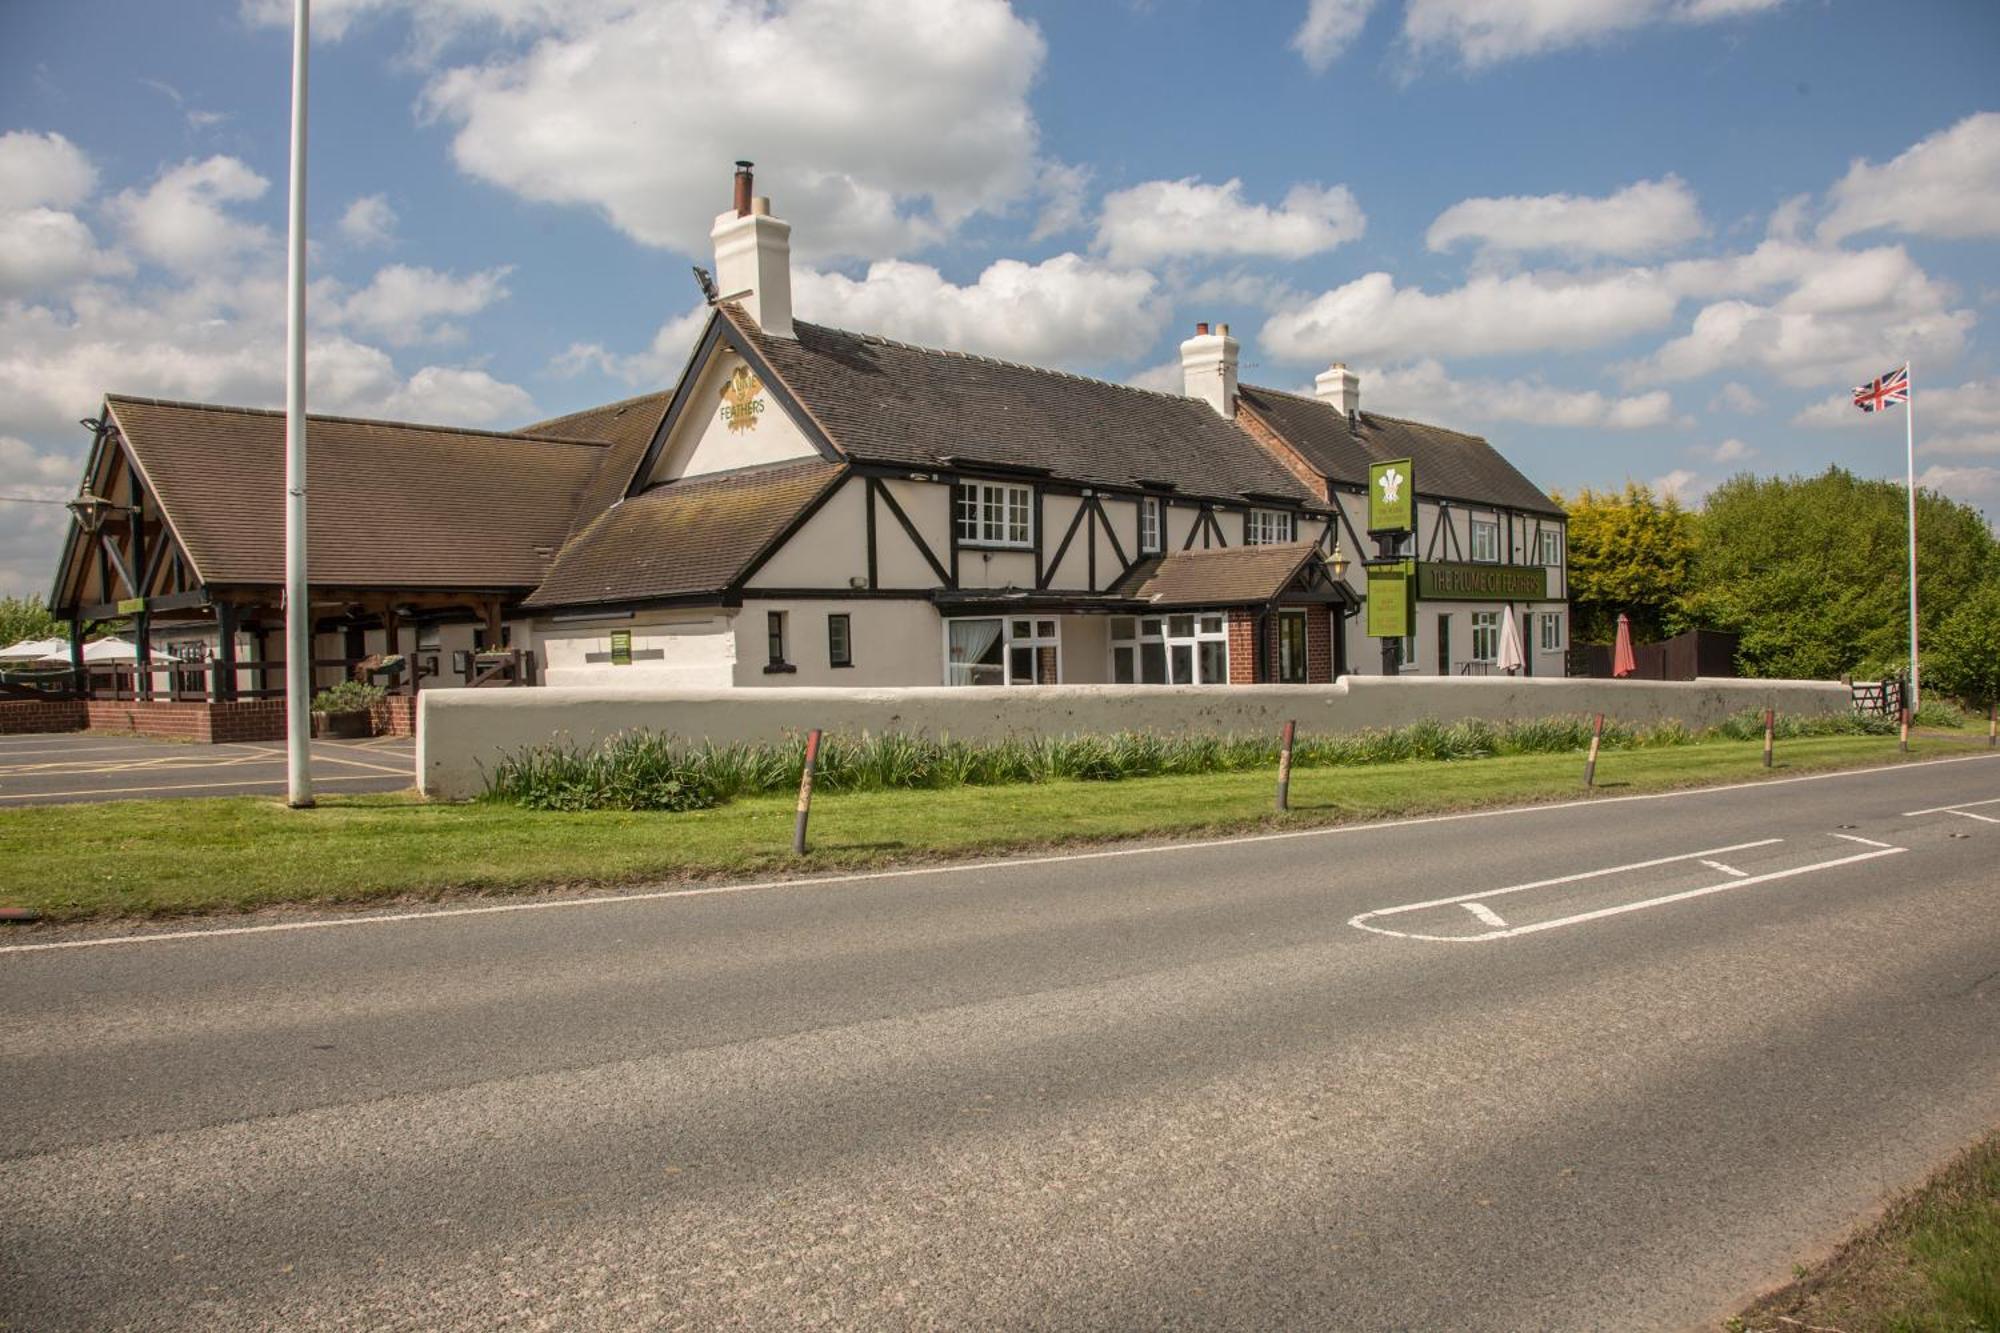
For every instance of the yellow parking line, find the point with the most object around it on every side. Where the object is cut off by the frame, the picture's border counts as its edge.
(188, 786)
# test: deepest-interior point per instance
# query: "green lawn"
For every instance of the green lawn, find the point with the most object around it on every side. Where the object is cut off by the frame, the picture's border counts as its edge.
(163, 858)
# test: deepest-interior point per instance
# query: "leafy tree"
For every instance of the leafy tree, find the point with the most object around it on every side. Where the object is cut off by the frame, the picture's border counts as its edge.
(1963, 654)
(27, 618)
(1629, 551)
(1809, 571)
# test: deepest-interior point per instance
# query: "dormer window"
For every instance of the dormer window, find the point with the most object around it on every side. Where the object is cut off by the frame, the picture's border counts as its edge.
(1151, 535)
(991, 513)
(1270, 527)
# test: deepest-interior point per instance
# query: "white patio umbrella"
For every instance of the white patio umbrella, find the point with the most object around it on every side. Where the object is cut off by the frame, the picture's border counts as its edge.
(103, 650)
(30, 650)
(1512, 658)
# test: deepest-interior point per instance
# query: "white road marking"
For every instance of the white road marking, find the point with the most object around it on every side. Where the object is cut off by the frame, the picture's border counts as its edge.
(1865, 842)
(1967, 814)
(1727, 870)
(1570, 879)
(1485, 914)
(813, 882)
(1361, 921)
(1953, 808)
(184, 786)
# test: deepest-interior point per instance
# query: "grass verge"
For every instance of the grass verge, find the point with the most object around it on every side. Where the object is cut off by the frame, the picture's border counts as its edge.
(137, 859)
(1931, 1265)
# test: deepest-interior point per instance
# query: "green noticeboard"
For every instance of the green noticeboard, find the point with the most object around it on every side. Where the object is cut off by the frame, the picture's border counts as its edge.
(131, 606)
(1392, 496)
(1448, 582)
(1391, 608)
(621, 647)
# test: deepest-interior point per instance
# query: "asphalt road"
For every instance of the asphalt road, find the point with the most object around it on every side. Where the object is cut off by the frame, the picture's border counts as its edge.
(1207, 1085)
(61, 769)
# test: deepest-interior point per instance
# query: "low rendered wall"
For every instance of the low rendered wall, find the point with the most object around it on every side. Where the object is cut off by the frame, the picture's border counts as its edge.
(458, 731)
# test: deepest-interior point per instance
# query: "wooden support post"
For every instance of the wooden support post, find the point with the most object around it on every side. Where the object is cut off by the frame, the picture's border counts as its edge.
(222, 684)
(1285, 765)
(142, 665)
(1770, 722)
(1993, 725)
(1590, 764)
(79, 675)
(493, 631)
(805, 792)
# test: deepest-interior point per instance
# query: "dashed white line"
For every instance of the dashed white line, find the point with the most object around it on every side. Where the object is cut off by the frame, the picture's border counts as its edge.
(1865, 842)
(1967, 814)
(1486, 914)
(1953, 808)
(1727, 869)
(1571, 879)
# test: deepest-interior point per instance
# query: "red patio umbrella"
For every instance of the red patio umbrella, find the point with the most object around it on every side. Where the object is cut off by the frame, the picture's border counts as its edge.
(1622, 661)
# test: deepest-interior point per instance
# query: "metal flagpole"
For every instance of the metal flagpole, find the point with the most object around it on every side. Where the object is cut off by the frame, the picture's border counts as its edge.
(1910, 441)
(298, 600)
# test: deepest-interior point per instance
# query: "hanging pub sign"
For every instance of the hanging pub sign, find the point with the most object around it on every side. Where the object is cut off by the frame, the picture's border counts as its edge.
(1451, 582)
(1392, 496)
(1391, 608)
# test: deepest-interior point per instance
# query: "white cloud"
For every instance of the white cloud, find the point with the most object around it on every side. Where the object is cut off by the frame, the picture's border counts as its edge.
(1734, 397)
(25, 466)
(1330, 27)
(1956, 419)
(182, 220)
(1065, 191)
(1486, 32)
(1687, 487)
(1489, 315)
(1427, 392)
(1167, 377)
(43, 170)
(1642, 219)
(1729, 451)
(1161, 219)
(369, 222)
(1801, 347)
(1976, 486)
(448, 396)
(45, 249)
(1064, 310)
(656, 367)
(1947, 185)
(407, 305)
(876, 127)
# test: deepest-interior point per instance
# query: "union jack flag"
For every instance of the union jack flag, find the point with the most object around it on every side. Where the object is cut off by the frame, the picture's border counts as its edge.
(1893, 387)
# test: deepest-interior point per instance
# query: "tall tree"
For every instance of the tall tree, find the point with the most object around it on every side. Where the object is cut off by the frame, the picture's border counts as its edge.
(27, 618)
(1629, 551)
(1963, 655)
(1810, 571)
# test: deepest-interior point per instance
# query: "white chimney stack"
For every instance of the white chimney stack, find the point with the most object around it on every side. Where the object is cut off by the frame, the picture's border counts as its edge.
(753, 259)
(1340, 387)
(1208, 368)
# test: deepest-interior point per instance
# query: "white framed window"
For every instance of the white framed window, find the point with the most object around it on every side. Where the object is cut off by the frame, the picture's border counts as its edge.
(1189, 649)
(1152, 535)
(1270, 527)
(1485, 539)
(1552, 546)
(1015, 650)
(995, 513)
(1552, 631)
(1485, 636)
(1406, 653)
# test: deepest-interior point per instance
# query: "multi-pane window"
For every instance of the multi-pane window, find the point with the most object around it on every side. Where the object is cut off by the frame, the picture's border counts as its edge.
(774, 633)
(1485, 636)
(1485, 539)
(1269, 527)
(839, 640)
(1170, 650)
(993, 513)
(1552, 546)
(1151, 537)
(1552, 631)
(1002, 652)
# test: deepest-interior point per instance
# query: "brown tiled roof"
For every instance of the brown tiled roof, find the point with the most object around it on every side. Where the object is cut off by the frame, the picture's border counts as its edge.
(914, 406)
(684, 539)
(1226, 576)
(626, 428)
(389, 505)
(1448, 463)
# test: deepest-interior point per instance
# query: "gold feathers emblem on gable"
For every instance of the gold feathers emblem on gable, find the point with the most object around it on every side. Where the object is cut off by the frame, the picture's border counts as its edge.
(741, 404)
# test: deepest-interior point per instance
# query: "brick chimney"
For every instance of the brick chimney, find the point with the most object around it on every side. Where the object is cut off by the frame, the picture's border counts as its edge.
(1340, 387)
(753, 258)
(1208, 368)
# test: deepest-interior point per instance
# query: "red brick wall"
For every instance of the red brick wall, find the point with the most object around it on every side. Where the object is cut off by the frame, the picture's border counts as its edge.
(1242, 647)
(1242, 644)
(1319, 646)
(243, 720)
(19, 717)
(395, 716)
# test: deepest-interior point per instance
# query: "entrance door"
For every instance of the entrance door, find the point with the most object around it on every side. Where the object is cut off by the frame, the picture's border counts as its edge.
(1291, 647)
(1444, 645)
(1527, 643)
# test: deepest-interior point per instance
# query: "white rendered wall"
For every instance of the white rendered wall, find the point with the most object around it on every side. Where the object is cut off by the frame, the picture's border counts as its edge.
(698, 651)
(702, 441)
(458, 731)
(894, 642)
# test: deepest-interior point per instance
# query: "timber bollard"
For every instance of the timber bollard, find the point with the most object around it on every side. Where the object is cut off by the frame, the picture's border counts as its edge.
(1590, 764)
(1285, 766)
(1770, 721)
(805, 793)
(1904, 743)
(1992, 725)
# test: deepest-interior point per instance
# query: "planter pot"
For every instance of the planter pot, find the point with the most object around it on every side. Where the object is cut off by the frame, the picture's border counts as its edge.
(342, 726)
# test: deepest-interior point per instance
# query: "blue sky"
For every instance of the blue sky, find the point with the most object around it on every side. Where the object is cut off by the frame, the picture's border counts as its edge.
(1646, 239)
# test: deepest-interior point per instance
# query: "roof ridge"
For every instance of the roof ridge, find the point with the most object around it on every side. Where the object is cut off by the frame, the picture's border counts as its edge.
(621, 404)
(351, 421)
(1379, 416)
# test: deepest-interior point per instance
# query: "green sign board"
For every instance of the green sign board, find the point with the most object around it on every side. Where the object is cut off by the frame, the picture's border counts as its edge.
(131, 606)
(1448, 582)
(621, 647)
(1392, 496)
(1391, 608)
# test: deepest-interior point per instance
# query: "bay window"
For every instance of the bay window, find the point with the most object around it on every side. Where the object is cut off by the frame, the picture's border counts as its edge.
(996, 651)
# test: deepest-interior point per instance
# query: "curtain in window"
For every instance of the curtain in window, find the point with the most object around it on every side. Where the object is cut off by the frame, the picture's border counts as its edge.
(974, 659)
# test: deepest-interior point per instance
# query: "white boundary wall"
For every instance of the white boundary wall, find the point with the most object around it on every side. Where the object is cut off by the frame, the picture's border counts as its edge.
(462, 733)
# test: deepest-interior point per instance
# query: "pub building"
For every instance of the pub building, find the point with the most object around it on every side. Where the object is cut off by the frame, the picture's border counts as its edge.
(812, 506)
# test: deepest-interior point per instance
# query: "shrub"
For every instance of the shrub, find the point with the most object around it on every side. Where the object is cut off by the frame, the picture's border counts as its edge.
(350, 696)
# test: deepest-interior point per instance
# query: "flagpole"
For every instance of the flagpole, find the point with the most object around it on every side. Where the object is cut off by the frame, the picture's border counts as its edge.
(298, 598)
(1910, 444)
